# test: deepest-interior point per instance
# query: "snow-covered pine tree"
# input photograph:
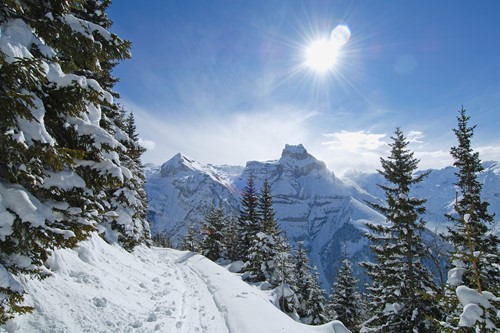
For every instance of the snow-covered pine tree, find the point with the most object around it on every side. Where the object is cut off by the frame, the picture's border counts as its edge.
(212, 235)
(249, 218)
(475, 258)
(284, 271)
(284, 276)
(129, 201)
(316, 301)
(58, 161)
(401, 294)
(232, 240)
(126, 204)
(161, 239)
(302, 274)
(345, 303)
(266, 211)
(264, 250)
(191, 241)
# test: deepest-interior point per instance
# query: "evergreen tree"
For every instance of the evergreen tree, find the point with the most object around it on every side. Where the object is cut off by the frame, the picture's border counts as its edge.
(284, 271)
(266, 211)
(232, 240)
(249, 219)
(475, 259)
(284, 276)
(212, 245)
(61, 163)
(316, 301)
(264, 250)
(402, 290)
(191, 241)
(161, 239)
(126, 200)
(302, 274)
(345, 302)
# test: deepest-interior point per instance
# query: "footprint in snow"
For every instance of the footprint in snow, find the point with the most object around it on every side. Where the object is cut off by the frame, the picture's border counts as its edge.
(100, 302)
(152, 317)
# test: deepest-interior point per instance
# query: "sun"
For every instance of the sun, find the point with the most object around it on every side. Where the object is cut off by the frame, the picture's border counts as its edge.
(322, 55)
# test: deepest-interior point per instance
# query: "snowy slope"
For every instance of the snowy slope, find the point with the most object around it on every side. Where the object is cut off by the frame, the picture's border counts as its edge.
(101, 288)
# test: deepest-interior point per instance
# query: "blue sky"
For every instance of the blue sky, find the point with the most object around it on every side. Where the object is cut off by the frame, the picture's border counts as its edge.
(226, 81)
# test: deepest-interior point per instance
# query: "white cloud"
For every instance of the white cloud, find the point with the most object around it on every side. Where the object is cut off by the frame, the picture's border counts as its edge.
(354, 150)
(355, 141)
(415, 137)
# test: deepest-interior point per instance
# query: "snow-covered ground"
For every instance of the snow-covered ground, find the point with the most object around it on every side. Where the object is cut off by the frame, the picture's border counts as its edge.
(98, 287)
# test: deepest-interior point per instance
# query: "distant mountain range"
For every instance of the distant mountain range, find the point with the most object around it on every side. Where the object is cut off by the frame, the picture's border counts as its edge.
(311, 203)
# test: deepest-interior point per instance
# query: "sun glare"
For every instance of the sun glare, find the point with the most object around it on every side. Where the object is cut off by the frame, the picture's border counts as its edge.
(322, 54)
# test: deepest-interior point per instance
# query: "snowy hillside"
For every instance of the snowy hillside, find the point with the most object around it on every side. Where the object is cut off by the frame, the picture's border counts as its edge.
(98, 287)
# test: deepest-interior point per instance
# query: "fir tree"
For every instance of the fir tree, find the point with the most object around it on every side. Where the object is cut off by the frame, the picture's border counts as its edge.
(249, 218)
(284, 271)
(264, 250)
(266, 211)
(402, 290)
(284, 276)
(316, 301)
(59, 152)
(212, 245)
(161, 239)
(232, 240)
(126, 200)
(191, 241)
(345, 302)
(475, 259)
(302, 274)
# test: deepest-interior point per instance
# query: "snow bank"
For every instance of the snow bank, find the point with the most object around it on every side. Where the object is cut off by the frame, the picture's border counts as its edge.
(99, 287)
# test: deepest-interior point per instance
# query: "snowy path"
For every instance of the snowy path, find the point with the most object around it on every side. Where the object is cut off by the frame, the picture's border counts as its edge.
(197, 311)
(102, 288)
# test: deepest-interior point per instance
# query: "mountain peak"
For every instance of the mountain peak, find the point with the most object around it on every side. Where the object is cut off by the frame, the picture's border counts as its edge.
(297, 152)
(176, 164)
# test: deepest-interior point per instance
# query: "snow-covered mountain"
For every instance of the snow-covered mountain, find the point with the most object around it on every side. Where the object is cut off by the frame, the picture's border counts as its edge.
(311, 203)
(182, 190)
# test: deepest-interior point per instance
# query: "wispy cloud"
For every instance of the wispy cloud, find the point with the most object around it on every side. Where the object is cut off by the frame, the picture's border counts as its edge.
(222, 138)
